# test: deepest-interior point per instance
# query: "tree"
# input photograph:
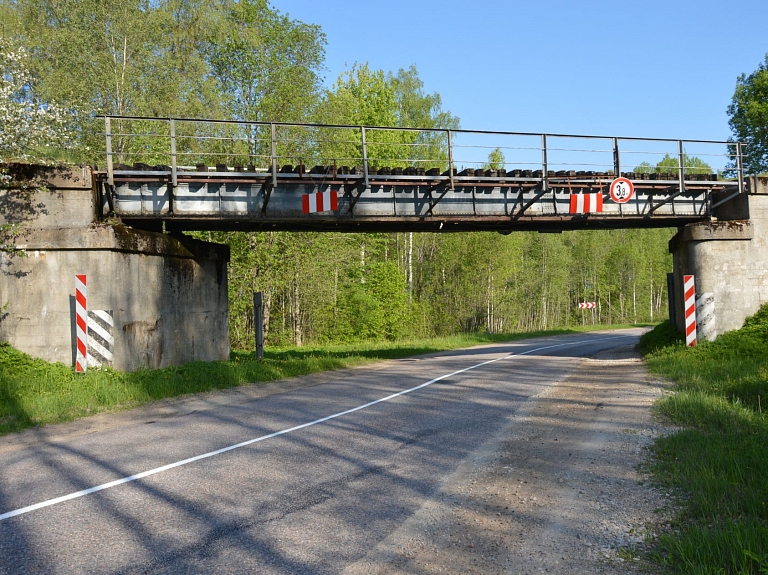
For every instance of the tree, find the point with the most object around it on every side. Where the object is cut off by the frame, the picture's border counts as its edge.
(94, 55)
(748, 113)
(362, 97)
(30, 126)
(496, 160)
(119, 58)
(691, 164)
(267, 66)
(365, 97)
(671, 164)
(644, 168)
(10, 24)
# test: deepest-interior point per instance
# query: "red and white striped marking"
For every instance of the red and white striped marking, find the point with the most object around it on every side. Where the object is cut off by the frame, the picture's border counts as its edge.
(587, 305)
(586, 203)
(321, 202)
(81, 319)
(689, 291)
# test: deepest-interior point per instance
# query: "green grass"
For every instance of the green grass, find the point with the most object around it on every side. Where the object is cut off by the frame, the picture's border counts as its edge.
(718, 462)
(34, 392)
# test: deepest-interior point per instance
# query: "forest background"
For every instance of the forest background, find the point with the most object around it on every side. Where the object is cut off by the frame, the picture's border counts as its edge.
(66, 61)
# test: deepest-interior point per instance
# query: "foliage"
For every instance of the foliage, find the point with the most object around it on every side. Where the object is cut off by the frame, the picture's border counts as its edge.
(717, 462)
(377, 308)
(169, 58)
(30, 126)
(671, 165)
(748, 118)
(756, 326)
(346, 287)
(691, 165)
(96, 58)
(265, 64)
(365, 97)
(496, 160)
(663, 335)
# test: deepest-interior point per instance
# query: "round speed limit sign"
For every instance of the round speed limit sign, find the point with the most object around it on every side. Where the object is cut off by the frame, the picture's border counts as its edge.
(622, 190)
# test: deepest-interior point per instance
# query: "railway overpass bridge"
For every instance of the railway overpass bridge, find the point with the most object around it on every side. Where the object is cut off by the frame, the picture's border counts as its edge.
(163, 296)
(389, 179)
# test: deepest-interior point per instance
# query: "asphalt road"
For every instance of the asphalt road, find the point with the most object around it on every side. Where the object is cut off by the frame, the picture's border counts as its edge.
(323, 473)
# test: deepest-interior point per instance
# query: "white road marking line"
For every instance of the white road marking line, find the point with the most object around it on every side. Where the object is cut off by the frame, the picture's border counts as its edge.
(156, 470)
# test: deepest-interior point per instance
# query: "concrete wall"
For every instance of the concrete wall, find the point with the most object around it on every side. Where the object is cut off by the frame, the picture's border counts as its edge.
(168, 295)
(729, 259)
(48, 196)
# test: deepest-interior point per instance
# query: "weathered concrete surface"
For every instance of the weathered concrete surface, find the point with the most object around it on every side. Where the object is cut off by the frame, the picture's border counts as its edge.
(168, 295)
(48, 197)
(729, 259)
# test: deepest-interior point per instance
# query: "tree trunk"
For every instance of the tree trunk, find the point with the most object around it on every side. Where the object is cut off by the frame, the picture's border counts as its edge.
(488, 327)
(335, 292)
(296, 311)
(362, 263)
(634, 300)
(266, 307)
(410, 264)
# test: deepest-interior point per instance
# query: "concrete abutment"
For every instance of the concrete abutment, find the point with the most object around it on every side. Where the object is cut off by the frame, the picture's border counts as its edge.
(166, 295)
(729, 259)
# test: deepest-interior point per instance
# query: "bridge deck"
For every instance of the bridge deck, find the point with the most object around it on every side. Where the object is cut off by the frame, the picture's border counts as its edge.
(248, 201)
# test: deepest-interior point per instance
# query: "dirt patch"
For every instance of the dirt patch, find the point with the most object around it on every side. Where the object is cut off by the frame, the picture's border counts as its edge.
(559, 493)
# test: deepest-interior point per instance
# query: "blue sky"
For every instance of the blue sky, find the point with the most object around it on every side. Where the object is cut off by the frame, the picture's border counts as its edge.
(650, 69)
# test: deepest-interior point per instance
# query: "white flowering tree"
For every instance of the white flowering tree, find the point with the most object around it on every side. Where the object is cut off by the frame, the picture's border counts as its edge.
(30, 128)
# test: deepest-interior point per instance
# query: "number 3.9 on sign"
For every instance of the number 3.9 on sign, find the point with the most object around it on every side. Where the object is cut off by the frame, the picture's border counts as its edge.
(622, 190)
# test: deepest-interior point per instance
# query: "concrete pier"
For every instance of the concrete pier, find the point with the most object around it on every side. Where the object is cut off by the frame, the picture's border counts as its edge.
(729, 259)
(165, 296)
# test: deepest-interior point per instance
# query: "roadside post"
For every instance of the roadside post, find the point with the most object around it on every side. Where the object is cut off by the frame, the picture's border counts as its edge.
(689, 296)
(671, 299)
(81, 323)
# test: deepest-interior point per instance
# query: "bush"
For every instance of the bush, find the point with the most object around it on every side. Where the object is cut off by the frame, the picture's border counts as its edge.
(663, 335)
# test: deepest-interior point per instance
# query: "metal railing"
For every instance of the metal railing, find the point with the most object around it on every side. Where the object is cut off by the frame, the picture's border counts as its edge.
(175, 146)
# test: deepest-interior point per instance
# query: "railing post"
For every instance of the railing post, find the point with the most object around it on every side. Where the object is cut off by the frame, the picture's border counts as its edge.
(450, 157)
(544, 167)
(108, 132)
(365, 158)
(274, 155)
(616, 158)
(174, 176)
(740, 167)
(681, 166)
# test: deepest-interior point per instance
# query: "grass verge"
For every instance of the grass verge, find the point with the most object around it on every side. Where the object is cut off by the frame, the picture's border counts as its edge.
(34, 392)
(718, 462)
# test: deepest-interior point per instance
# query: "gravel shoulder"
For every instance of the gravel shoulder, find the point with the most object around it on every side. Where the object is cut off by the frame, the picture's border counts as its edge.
(558, 492)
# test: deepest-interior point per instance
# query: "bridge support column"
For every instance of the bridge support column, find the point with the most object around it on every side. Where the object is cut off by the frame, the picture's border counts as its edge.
(165, 296)
(729, 259)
